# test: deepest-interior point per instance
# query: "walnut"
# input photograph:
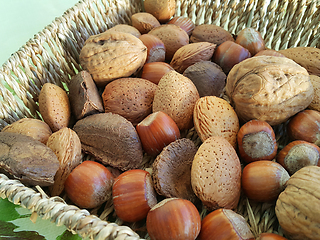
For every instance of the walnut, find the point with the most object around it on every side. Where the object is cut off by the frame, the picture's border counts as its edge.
(111, 55)
(268, 88)
(297, 207)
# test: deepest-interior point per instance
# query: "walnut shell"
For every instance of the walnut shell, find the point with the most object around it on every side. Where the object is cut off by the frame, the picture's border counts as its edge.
(315, 103)
(190, 54)
(111, 55)
(268, 88)
(125, 28)
(298, 206)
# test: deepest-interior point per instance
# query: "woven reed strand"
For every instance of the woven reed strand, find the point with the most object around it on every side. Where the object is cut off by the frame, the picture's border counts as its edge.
(76, 220)
(52, 55)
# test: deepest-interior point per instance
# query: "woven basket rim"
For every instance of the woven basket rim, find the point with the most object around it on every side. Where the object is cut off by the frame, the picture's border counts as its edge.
(299, 17)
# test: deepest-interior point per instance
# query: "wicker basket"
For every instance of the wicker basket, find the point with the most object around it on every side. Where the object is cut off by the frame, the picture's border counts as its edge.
(52, 55)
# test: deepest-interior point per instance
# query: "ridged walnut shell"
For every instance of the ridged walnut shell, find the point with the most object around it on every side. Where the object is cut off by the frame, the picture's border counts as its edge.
(297, 207)
(112, 55)
(268, 88)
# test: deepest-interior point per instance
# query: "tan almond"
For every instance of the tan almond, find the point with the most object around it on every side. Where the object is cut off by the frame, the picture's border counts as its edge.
(190, 54)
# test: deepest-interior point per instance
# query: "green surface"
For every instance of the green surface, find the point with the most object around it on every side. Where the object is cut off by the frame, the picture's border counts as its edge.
(15, 223)
(21, 19)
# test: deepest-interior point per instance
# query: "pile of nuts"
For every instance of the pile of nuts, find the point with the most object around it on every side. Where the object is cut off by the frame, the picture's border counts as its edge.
(142, 88)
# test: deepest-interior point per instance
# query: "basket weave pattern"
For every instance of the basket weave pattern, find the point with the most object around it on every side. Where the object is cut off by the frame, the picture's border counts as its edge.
(52, 55)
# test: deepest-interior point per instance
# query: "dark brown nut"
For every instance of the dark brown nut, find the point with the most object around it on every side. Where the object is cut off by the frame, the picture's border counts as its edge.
(125, 28)
(172, 36)
(84, 96)
(111, 139)
(129, 97)
(111, 55)
(144, 22)
(208, 77)
(31, 127)
(190, 54)
(26, 159)
(268, 88)
(171, 170)
(210, 33)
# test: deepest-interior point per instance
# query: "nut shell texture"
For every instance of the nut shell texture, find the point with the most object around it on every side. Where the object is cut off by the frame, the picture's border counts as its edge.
(268, 88)
(171, 170)
(297, 207)
(112, 139)
(216, 174)
(176, 95)
(190, 54)
(111, 55)
(129, 97)
(214, 116)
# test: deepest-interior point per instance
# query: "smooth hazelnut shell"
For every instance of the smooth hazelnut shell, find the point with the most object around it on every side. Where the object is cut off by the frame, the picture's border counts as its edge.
(270, 236)
(224, 224)
(133, 195)
(251, 39)
(154, 71)
(89, 184)
(184, 22)
(305, 126)
(229, 54)
(173, 218)
(156, 50)
(156, 131)
(263, 181)
(256, 141)
(298, 154)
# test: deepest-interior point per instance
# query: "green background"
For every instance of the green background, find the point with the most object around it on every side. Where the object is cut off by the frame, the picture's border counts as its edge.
(21, 19)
